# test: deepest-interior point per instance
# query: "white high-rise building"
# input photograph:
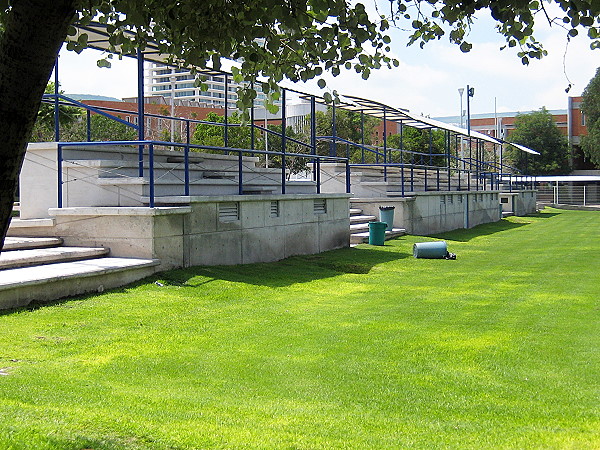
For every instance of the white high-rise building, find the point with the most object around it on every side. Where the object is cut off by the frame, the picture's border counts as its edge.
(168, 81)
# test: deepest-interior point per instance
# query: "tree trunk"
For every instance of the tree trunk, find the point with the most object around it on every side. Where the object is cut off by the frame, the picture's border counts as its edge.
(33, 34)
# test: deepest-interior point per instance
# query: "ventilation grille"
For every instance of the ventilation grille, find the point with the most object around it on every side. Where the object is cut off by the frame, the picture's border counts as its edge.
(442, 199)
(229, 212)
(320, 206)
(275, 208)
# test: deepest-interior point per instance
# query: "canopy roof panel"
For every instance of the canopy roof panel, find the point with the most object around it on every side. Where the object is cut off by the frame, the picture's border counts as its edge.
(523, 148)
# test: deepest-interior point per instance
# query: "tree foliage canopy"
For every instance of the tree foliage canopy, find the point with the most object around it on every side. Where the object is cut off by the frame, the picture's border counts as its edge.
(538, 131)
(301, 40)
(348, 125)
(590, 107)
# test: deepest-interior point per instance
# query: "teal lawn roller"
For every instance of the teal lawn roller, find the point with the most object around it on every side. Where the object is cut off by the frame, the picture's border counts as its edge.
(432, 250)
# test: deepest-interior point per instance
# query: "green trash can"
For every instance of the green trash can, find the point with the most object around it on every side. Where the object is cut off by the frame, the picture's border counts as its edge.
(386, 214)
(377, 233)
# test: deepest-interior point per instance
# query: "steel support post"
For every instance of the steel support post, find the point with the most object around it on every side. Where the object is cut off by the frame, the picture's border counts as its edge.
(56, 105)
(186, 159)
(140, 111)
(283, 140)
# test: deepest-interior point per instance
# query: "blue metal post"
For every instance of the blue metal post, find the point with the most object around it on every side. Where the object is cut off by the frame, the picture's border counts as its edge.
(496, 164)
(283, 140)
(89, 125)
(333, 146)
(56, 105)
(347, 177)
(318, 176)
(362, 135)
(59, 180)
(469, 95)
(186, 159)
(240, 173)
(151, 174)
(140, 101)
(430, 146)
(313, 143)
(448, 142)
(226, 120)
(384, 144)
(252, 137)
(458, 142)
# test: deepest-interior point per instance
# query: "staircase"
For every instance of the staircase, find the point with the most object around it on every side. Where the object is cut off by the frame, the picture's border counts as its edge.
(359, 227)
(43, 269)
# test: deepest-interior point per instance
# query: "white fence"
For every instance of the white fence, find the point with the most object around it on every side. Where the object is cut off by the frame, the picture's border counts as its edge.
(570, 195)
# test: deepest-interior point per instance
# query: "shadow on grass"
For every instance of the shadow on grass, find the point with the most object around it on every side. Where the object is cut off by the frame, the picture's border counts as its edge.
(296, 269)
(543, 215)
(465, 235)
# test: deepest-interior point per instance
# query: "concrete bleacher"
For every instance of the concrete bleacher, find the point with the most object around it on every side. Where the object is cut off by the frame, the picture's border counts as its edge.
(377, 181)
(108, 176)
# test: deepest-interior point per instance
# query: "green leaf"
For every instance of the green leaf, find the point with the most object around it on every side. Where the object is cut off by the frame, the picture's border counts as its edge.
(103, 63)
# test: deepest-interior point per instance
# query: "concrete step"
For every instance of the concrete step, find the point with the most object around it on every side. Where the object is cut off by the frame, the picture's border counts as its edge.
(124, 153)
(39, 256)
(355, 211)
(354, 219)
(20, 286)
(363, 237)
(111, 168)
(22, 243)
(16, 224)
(359, 227)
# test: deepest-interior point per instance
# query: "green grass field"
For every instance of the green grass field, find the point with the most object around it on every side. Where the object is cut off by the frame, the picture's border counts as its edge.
(357, 348)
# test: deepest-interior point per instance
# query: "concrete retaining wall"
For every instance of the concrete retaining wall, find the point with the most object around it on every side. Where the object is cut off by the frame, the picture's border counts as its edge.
(520, 203)
(212, 230)
(435, 212)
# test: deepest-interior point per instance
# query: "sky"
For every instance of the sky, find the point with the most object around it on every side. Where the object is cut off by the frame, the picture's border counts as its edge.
(427, 80)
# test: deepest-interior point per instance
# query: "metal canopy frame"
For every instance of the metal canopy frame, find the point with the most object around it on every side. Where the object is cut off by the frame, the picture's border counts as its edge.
(98, 39)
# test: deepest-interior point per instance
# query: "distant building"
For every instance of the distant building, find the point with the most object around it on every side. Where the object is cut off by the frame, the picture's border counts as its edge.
(165, 81)
(570, 121)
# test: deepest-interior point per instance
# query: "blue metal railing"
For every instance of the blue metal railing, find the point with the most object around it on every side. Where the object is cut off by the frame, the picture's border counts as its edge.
(482, 172)
(186, 147)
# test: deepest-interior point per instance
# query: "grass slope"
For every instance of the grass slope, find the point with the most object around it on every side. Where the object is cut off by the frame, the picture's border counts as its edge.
(364, 348)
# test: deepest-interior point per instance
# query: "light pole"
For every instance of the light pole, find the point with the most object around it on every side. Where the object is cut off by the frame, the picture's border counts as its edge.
(462, 155)
(173, 80)
(470, 93)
